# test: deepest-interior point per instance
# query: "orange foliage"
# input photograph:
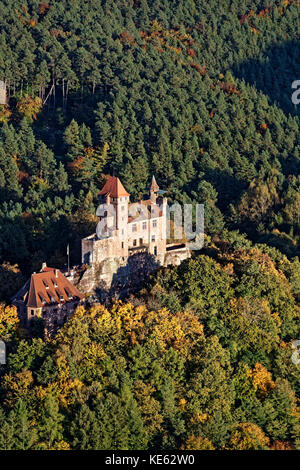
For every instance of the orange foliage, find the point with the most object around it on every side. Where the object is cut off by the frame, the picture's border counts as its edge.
(261, 379)
(248, 436)
(265, 12)
(229, 88)
(125, 37)
(281, 445)
(44, 7)
(58, 33)
(77, 165)
(199, 68)
(191, 52)
(22, 175)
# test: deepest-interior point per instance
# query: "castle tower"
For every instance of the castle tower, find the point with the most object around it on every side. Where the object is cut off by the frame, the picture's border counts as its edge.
(114, 193)
(153, 190)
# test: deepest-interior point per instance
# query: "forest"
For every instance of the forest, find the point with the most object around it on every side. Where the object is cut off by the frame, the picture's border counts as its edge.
(198, 94)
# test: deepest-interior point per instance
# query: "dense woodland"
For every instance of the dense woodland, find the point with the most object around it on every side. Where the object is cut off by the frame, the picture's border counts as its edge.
(199, 94)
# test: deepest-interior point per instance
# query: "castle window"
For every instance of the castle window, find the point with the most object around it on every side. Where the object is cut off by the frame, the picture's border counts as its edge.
(134, 228)
(123, 208)
(122, 244)
(32, 312)
(154, 223)
(144, 225)
(134, 242)
(153, 238)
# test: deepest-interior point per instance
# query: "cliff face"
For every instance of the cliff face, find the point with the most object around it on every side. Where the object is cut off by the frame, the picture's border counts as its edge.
(115, 277)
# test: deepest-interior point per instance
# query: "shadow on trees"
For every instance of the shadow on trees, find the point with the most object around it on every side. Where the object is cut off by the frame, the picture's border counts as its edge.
(273, 73)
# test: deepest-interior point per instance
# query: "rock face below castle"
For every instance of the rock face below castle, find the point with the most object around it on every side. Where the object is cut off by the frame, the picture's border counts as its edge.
(130, 241)
(116, 276)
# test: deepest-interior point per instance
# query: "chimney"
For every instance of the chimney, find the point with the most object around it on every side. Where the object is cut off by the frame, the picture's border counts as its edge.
(44, 265)
(56, 272)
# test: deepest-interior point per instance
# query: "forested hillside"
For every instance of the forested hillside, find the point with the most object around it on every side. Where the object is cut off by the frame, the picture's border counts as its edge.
(143, 87)
(199, 94)
(201, 359)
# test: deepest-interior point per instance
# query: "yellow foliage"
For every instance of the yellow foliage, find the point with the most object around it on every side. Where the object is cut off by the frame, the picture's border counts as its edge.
(94, 352)
(248, 436)
(9, 321)
(261, 379)
(199, 418)
(16, 386)
(98, 156)
(60, 445)
(197, 443)
(5, 113)
(182, 330)
(182, 404)
(29, 106)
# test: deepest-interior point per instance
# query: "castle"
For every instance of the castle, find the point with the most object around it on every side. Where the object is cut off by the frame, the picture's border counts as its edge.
(127, 235)
(130, 242)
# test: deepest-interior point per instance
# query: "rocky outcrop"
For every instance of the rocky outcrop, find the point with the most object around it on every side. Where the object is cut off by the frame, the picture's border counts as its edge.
(116, 276)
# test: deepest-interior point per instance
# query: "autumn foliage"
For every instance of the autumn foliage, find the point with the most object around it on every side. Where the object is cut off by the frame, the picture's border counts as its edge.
(29, 107)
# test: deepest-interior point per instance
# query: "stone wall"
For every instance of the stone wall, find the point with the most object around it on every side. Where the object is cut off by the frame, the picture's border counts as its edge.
(118, 276)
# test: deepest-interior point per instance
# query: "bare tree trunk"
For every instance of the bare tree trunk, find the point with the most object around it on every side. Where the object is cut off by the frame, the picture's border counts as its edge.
(50, 93)
(63, 92)
(67, 92)
(53, 92)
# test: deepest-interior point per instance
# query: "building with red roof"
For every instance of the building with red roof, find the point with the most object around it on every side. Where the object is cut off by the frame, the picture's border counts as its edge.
(48, 295)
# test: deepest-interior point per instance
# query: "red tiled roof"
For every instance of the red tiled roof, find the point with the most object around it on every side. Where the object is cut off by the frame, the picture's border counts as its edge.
(49, 286)
(114, 188)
